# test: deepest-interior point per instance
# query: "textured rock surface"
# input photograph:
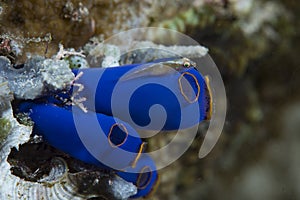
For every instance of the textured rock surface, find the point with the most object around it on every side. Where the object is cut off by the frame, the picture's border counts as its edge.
(256, 50)
(37, 77)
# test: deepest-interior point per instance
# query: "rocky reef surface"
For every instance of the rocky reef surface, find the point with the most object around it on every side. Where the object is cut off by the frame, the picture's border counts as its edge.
(255, 44)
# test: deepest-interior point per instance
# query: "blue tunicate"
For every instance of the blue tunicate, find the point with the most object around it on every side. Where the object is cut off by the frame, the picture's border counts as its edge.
(105, 132)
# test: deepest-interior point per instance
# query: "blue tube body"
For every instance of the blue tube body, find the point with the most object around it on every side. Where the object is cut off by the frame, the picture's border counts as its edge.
(131, 100)
(58, 127)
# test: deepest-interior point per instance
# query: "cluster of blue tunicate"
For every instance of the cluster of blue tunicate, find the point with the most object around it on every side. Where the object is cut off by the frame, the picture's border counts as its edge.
(96, 134)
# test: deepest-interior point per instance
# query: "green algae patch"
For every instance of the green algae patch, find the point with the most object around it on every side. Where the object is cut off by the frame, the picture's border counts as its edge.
(5, 128)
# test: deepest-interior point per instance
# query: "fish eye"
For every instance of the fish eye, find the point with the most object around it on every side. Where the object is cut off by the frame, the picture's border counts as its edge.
(186, 64)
